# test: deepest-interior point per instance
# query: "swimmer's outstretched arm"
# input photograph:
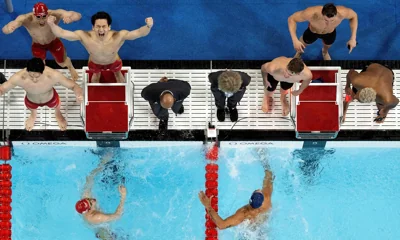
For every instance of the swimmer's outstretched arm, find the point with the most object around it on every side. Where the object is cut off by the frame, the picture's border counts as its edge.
(18, 22)
(61, 33)
(231, 221)
(103, 218)
(67, 16)
(268, 184)
(138, 33)
(87, 189)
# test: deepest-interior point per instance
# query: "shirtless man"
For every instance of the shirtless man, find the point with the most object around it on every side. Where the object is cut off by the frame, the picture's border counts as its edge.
(287, 71)
(373, 84)
(88, 206)
(43, 39)
(255, 211)
(102, 43)
(38, 81)
(323, 21)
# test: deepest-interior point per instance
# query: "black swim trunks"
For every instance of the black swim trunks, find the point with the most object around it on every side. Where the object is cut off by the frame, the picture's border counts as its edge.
(274, 83)
(310, 37)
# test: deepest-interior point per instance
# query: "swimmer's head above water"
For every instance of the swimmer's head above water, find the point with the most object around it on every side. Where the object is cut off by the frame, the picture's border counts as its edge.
(84, 205)
(256, 199)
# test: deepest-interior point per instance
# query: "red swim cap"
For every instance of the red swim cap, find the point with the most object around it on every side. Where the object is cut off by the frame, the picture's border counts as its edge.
(40, 9)
(82, 206)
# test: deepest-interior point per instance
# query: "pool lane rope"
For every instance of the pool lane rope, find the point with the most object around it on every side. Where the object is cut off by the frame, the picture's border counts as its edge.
(5, 193)
(212, 190)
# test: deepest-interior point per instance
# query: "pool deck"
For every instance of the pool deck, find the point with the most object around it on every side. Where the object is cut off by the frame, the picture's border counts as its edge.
(199, 106)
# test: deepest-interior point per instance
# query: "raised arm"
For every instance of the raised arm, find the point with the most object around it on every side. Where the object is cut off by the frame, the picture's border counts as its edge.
(231, 221)
(103, 218)
(87, 189)
(18, 22)
(66, 16)
(267, 184)
(138, 33)
(61, 33)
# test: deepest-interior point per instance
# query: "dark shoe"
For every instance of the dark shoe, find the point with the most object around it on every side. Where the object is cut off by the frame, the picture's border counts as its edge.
(233, 114)
(181, 110)
(163, 125)
(221, 114)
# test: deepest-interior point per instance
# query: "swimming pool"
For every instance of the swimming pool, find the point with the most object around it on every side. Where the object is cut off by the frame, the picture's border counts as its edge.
(345, 191)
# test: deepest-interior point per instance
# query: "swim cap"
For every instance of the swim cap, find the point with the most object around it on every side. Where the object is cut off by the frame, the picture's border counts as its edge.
(82, 206)
(256, 200)
(40, 9)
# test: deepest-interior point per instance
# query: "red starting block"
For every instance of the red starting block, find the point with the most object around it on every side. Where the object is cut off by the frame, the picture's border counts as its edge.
(107, 109)
(318, 108)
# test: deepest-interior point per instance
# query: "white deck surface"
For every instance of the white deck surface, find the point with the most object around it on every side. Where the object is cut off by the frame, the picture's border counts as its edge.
(199, 106)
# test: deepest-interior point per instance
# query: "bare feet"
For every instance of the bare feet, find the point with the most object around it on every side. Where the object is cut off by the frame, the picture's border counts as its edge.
(62, 123)
(268, 104)
(30, 122)
(326, 55)
(285, 107)
(74, 74)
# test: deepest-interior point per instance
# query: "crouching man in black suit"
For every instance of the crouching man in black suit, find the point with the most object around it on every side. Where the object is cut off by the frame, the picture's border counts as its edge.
(166, 94)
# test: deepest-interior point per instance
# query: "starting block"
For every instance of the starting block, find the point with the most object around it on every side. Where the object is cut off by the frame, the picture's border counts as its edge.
(107, 109)
(318, 109)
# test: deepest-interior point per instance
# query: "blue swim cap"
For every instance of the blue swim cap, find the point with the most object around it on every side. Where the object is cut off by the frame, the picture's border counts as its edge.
(256, 200)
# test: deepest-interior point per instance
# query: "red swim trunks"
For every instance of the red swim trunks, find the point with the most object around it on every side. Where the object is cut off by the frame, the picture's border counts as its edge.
(53, 103)
(56, 48)
(113, 67)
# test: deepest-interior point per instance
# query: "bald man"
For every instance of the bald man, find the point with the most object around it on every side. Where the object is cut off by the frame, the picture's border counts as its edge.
(166, 94)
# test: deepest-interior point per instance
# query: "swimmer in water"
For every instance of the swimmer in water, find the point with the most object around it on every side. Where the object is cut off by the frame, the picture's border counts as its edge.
(88, 206)
(259, 205)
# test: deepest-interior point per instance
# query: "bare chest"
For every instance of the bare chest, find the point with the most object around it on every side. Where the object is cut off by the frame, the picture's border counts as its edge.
(291, 79)
(321, 26)
(42, 35)
(103, 52)
(42, 86)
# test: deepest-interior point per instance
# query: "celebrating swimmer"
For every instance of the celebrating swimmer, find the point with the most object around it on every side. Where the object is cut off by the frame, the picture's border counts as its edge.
(102, 43)
(255, 211)
(43, 39)
(88, 205)
(38, 81)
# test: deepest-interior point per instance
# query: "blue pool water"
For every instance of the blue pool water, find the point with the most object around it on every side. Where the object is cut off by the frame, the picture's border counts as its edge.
(336, 193)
